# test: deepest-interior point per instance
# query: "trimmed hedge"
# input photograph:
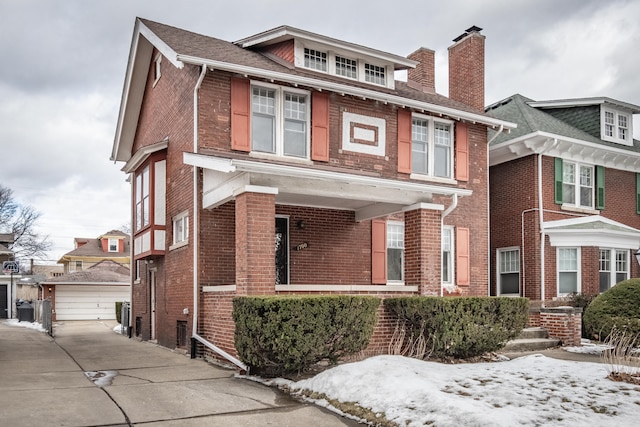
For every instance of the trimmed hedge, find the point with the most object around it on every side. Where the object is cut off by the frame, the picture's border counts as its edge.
(460, 327)
(286, 334)
(617, 307)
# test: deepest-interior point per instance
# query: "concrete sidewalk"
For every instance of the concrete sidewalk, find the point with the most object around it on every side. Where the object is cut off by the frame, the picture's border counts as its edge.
(90, 376)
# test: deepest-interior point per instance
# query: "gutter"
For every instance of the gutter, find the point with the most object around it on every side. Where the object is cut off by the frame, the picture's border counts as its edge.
(196, 243)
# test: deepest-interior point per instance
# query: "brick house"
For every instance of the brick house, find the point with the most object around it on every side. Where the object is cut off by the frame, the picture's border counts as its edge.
(291, 162)
(565, 197)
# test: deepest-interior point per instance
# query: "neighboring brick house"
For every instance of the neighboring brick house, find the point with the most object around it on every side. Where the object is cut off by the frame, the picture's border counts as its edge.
(367, 185)
(96, 275)
(565, 197)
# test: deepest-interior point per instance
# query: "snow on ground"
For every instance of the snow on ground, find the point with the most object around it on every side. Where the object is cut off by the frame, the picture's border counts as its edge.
(29, 325)
(531, 390)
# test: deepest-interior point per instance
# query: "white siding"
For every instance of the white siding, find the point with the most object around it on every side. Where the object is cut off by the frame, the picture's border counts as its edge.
(86, 302)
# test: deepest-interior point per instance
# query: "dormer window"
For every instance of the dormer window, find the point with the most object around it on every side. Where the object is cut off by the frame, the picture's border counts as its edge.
(616, 126)
(346, 67)
(315, 59)
(113, 245)
(374, 74)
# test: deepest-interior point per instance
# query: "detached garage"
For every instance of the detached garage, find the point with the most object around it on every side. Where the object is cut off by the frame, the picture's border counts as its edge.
(90, 294)
(87, 302)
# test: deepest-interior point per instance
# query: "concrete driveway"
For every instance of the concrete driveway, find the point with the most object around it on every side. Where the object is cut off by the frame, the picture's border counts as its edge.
(90, 376)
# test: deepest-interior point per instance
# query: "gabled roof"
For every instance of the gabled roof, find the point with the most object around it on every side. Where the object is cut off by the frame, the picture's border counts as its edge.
(540, 132)
(93, 248)
(182, 47)
(581, 102)
(594, 230)
(104, 272)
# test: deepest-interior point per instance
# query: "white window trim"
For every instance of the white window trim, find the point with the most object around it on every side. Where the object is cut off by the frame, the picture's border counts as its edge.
(432, 149)
(576, 185)
(112, 240)
(499, 251)
(578, 266)
(615, 138)
(396, 282)
(300, 46)
(452, 260)
(182, 216)
(279, 117)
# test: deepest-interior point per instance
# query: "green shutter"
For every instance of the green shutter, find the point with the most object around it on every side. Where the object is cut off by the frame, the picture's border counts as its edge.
(638, 193)
(558, 180)
(600, 187)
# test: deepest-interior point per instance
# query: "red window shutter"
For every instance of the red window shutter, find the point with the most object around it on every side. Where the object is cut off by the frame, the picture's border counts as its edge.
(378, 252)
(320, 127)
(462, 152)
(240, 114)
(462, 257)
(121, 245)
(404, 141)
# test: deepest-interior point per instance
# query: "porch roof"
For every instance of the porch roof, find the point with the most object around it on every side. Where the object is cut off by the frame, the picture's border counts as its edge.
(368, 195)
(594, 230)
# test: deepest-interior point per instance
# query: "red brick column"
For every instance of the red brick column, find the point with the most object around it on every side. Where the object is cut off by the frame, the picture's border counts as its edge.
(422, 249)
(563, 323)
(255, 243)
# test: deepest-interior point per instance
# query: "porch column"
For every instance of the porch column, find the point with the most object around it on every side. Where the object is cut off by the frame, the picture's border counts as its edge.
(422, 248)
(255, 241)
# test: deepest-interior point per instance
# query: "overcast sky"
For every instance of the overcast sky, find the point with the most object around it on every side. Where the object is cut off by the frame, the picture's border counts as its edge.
(63, 65)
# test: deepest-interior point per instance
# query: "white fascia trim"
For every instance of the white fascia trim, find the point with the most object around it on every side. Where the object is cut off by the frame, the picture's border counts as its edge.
(426, 206)
(255, 189)
(349, 90)
(596, 238)
(208, 162)
(550, 225)
(299, 172)
(159, 44)
(143, 154)
(220, 288)
(561, 103)
(123, 284)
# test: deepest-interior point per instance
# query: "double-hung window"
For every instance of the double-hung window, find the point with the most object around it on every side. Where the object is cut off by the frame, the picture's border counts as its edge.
(374, 74)
(577, 184)
(614, 267)
(279, 121)
(509, 271)
(447, 255)
(431, 147)
(315, 59)
(113, 245)
(346, 67)
(142, 198)
(568, 267)
(616, 126)
(395, 251)
(181, 228)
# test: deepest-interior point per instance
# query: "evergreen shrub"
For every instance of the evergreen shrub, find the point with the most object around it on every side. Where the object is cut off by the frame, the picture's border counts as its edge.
(618, 307)
(460, 327)
(277, 335)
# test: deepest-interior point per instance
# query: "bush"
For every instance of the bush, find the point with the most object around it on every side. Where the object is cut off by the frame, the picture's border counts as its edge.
(455, 327)
(618, 307)
(280, 335)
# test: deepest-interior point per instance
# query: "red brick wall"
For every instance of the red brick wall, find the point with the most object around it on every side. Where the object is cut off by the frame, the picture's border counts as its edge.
(466, 71)
(422, 253)
(564, 324)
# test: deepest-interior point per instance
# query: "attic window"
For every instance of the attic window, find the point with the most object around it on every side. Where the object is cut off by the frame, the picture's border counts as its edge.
(315, 59)
(374, 74)
(616, 126)
(157, 69)
(113, 245)
(346, 67)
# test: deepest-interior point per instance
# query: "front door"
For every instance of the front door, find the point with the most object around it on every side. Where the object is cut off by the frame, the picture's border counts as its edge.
(4, 306)
(152, 281)
(282, 251)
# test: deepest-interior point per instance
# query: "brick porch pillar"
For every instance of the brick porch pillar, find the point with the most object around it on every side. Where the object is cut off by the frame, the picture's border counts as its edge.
(255, 242)
(422, 248)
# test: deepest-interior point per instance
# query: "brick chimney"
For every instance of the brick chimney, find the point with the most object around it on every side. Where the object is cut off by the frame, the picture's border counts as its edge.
(424, 73)
(466, 68)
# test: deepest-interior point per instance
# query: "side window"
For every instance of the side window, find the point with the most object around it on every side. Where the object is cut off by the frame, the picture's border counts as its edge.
(509, 271)
(568, 264)
(181, 228)
(447, 255)
(395, 251)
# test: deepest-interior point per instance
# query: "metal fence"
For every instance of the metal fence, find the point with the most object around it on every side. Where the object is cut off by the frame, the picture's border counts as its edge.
(44, 314)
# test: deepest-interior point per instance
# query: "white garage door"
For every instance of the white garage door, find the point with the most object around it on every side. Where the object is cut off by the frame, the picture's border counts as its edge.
(76, 302)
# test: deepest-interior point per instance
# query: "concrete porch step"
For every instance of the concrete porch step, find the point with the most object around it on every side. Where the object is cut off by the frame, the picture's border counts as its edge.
(534, 332)
(531, 344)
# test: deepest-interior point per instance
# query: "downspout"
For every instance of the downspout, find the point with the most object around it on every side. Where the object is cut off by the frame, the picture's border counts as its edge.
(543, 236)
(454, 204)
(498, 132)
(196, 242)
